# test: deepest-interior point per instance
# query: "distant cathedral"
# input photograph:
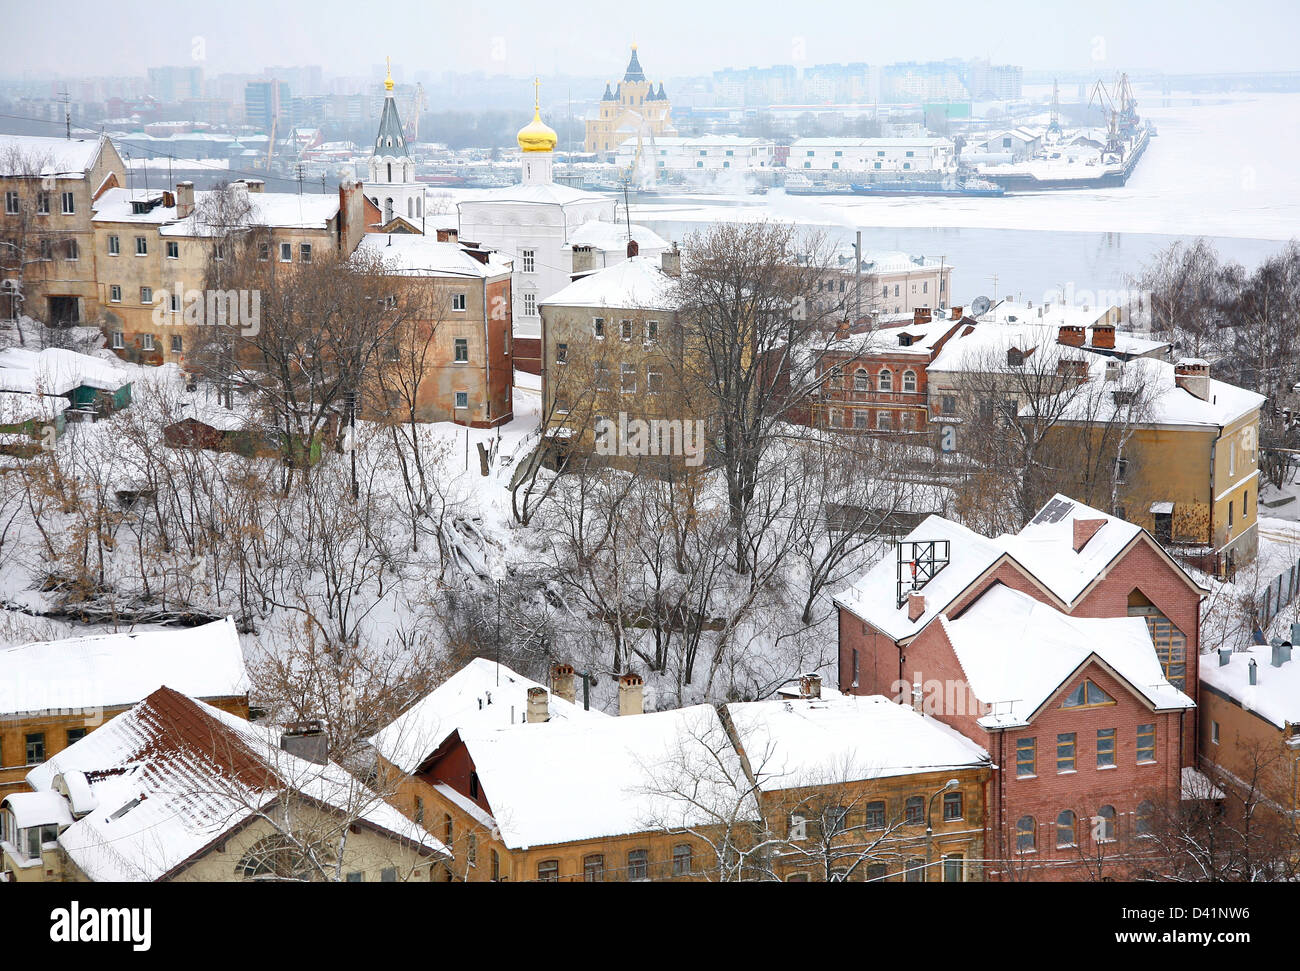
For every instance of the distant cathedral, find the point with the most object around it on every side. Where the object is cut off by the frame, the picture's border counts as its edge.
(631, 108)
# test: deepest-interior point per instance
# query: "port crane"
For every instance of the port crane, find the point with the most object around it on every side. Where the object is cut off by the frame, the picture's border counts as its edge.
(418, 106)
(1055, 126)
(1102, 99)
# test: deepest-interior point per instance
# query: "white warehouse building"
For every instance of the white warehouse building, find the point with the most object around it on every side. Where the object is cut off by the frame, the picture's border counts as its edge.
(674, 155)
(921, 154)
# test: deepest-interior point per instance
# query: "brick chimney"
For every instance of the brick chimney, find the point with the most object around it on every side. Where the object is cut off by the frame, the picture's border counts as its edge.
(632, 248)
(307, 740)
(447, 235)
(631, 695)
(584, 260)
(956, 312)
(539, 709)
(1084, 530)
(921, 315)
(562, 684)
(1103, 335)
(1193, 376)
(1071, 335)
(915, 606)
(670, 260)
(184, 199)
(1078, 370)
(810, 686)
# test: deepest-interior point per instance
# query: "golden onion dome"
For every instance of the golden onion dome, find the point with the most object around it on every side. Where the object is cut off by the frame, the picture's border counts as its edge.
(537, 135)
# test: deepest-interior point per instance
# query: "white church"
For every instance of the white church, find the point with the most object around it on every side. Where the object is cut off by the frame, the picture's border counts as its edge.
(392, 186)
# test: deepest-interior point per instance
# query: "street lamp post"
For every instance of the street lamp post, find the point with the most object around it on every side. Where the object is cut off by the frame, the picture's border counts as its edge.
(929, 826)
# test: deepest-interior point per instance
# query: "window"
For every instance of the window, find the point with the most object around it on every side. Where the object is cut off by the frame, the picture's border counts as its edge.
(114, 245)
(146, 342)
(1121, 470)
(141, 246)
(1087, 695)
(876, 872)
(11, 203)
(388, 874)
(471, 849)
(458, 301)
(681, 860)
(952, 807)
(529, 258)
(1015, 357)
(43, 203)
(1026, 835)
(1147, 742)
(836, 820)
(174, 303)
(948, 404)
(602, 376)
(627, 379)
(875, 815)
(496, 865)
(1144, 818)
(1066, 828)
(654, 382)
(173, 250)
(72, 251)
(1245, 504)
(419, 810)
(286, 252)
(638, 865)
(836, 377)
(263, 251)
(652, 331)
(884, 421)
(1214, 732)
(119, 340)
(895, 289)
(954, 868)
(561, 353)
(304, 252)
(462, 350)
(861, 380)
(473, 785)
(115, 294)
(798, 829)
(1026, 757)
(530, 305)
(548, 871)
(1171, 645)
(909, 381)
(1105, 748)
(914, 871)
(885, 380)
(146, 295)
(69, 204)
(797, 878)
(1105, 824)
(355, 876)
(462, 399)
(76, 735)
(178, 345)
(1065, 752)
(35, 747)
(598, 327)
(46, 250)
(914, 811)
(860, 418)
(593, 868)
(625, 329)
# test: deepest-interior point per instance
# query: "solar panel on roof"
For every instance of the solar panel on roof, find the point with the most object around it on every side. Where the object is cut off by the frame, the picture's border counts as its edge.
(1054, 511)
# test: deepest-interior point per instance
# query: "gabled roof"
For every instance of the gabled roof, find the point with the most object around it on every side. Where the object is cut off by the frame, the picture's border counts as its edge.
(416, 255)
(171, 776)
(65, 158)
(113, 670)
(1018, 652)
(636, 283)
(613, 237)
(803, 742)
(556, 783)
(480, 695)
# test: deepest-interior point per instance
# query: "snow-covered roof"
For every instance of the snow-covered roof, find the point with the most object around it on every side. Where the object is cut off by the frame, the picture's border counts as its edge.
(547, 194)
(62, 157)
(38, 809)
(173, 774)
(889, 261)
(411, 255)
(1017, 652)
(637, 283)
(274, 210)
(56, 370)
(984, 348)
(1275, 695)
(613, 237)
(803, 742)
(556, 783)
(826, 141)
(17, 408)
(480, 695)
(885, 339)
(112, 670)
(1044, 548)
(117, 205)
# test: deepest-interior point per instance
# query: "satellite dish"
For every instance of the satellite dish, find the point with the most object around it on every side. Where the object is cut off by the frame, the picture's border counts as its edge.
(980, 306)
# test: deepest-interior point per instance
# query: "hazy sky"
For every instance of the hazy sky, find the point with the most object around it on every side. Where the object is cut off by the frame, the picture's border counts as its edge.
(676, 37)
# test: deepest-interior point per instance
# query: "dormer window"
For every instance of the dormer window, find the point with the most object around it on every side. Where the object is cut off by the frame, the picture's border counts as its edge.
(904, 340)
(1087, 695)
(1015, 357)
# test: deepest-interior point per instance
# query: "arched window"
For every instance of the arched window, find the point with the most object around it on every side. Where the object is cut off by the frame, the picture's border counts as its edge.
(861, 380)
(1170, 642)
(1026, 835)
(272, 858)
(1087, 695)
(1104, 824)
(1146, 812)
(1066, 828)
(885, 379)
(909, 380)
(419, 205)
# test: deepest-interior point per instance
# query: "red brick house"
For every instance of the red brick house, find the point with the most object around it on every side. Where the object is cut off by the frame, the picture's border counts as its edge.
(1068, 651)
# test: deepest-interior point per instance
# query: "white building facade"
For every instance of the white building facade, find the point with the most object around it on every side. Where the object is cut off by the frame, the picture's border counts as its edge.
(922, 155)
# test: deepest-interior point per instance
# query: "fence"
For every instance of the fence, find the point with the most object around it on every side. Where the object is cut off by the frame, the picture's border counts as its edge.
(1280, 592)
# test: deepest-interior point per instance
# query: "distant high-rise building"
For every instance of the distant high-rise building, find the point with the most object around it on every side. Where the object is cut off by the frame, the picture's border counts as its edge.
(264, 101)
(172, 84)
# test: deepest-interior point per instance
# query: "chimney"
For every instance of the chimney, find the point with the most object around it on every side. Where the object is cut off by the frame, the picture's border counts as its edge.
(1254, 672)
(1071, 335)
(921, 315)
(810, 686)
(307, 740)
(670, 260)
(1103, 335)
(1193, 376)
(956, 312)
(1295, 633)
(1078, 370)
(915, 606)
(1281, 652)
(538, 710)
(632, 248)
(631, 695)
(1225, 655)
(584, 260)
(184, 199)
(562, 684)
(447, 235)
(1084, 530)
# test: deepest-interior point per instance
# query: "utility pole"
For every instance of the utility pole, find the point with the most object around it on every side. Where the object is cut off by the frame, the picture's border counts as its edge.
(857, 276)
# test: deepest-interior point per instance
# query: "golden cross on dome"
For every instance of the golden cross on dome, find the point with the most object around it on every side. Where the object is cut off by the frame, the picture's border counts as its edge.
(388, 83)
(537, 96)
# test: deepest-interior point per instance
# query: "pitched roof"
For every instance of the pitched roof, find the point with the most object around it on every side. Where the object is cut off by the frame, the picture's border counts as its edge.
(57, 370)
(1017, 652)
(172, 775)
(112, 670)
(636, 283)
(67, 158)
(391, 140)
(414, 255)
(613, 237)
(634, 72)
(1275, 696)
(849, 738)
(480, 695)
(556, 783)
